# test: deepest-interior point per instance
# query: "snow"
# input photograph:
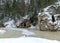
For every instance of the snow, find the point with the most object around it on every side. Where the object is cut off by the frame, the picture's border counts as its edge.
(58, 3)
(58, 24)
(56, 15)
(26, 17)
(2, 31)
(27, 33)
(47, 15)
(39, 14)
(10, 24)
(19, 22)
(27, 40)
(32, 26)
(24, 31)
(45, 9)
(53, 23)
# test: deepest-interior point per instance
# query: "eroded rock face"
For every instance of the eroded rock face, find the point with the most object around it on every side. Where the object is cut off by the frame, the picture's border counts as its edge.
(47, 19)
(47, 23)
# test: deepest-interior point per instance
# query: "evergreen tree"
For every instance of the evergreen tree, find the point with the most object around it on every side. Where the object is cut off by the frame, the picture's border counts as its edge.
(7, 9)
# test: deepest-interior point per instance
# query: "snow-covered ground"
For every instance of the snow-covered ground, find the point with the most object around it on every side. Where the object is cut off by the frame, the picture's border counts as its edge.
(10, 24)
(2, 31)
(27, 40)
(24, 39)
(24, 31)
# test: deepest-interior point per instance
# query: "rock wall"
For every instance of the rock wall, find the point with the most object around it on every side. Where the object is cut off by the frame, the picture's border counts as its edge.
(45, 19)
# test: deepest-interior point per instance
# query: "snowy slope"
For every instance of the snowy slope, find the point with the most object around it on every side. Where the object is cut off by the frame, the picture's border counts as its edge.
(10, 24)
(27, 40)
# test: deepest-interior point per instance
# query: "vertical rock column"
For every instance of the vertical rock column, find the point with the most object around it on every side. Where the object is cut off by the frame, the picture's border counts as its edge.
(41, 23)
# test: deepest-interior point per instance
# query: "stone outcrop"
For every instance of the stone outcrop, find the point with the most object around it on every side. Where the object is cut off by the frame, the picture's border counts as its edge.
(47, 19)
(46, 24)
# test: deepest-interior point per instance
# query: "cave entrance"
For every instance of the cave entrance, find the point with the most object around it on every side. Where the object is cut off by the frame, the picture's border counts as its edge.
(53, 18)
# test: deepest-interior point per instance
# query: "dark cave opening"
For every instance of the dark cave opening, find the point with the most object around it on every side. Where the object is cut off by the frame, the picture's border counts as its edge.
(53, 18)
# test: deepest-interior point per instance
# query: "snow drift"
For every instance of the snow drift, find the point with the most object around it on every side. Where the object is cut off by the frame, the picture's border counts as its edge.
(27, 40)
